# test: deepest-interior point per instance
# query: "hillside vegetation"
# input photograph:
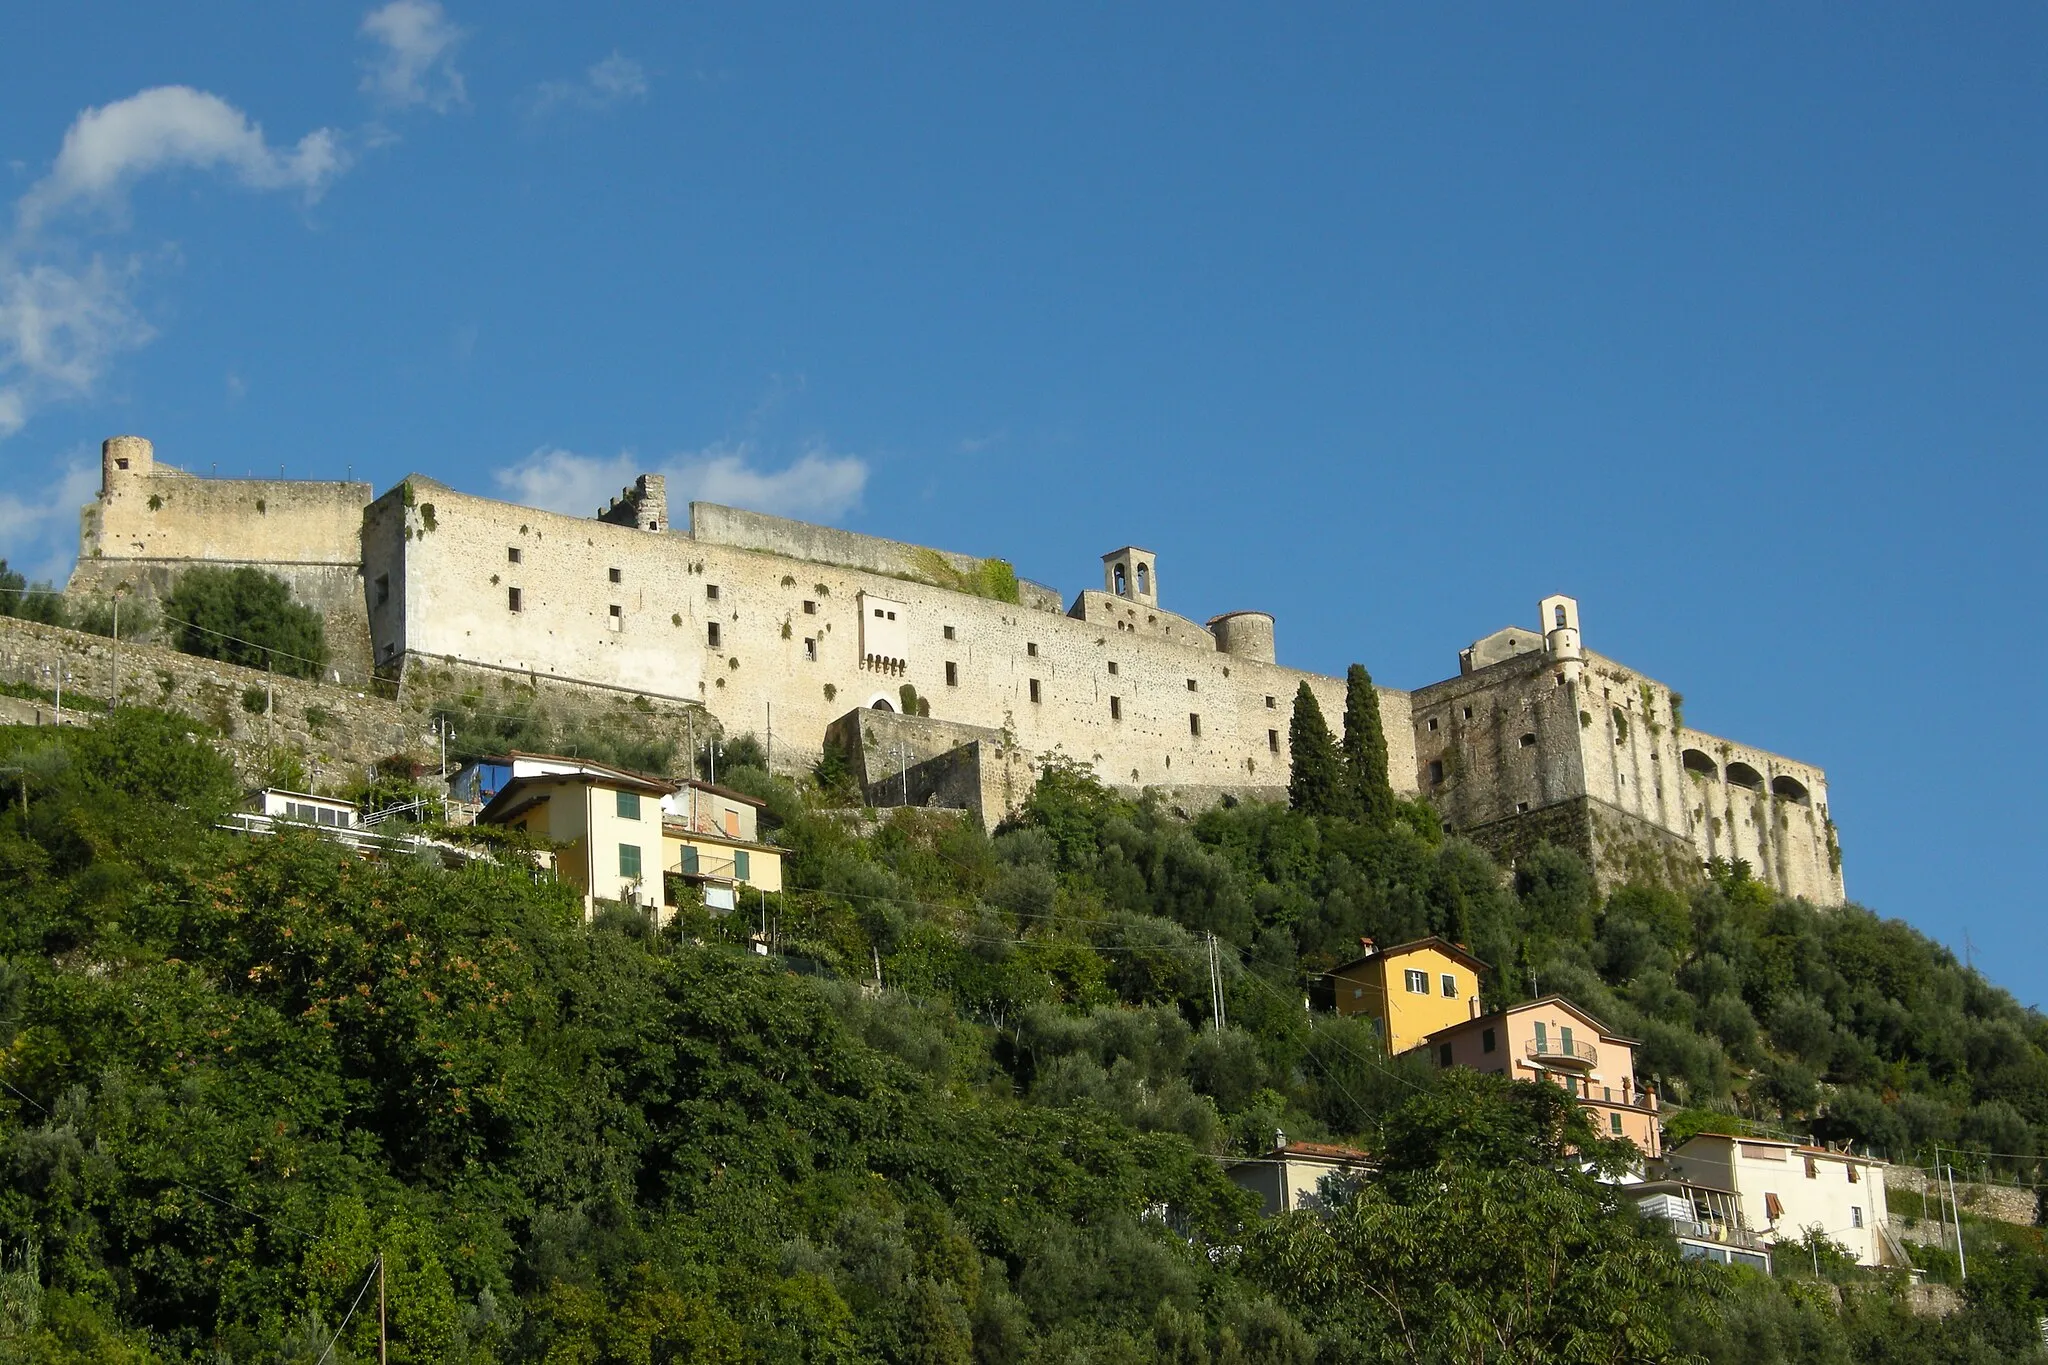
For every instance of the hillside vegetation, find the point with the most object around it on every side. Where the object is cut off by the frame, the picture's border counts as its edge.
(238, 1072)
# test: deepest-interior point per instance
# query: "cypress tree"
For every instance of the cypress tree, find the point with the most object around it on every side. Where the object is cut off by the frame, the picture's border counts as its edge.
(1316, 784)
(1365, 749)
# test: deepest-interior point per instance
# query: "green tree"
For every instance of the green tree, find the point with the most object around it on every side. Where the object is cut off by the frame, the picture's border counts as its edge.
(37, 602)
(245, 616)
(1316, 783)
(1365, 749)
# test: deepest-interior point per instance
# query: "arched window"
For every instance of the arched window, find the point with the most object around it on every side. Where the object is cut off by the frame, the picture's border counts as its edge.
(1559, 611)
(878, 704)
(1697, 762)
(1144, 580)
(1790, 789)
(1742, 775)
(1122, 587)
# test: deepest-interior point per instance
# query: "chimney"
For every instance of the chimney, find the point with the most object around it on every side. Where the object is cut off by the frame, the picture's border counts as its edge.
(1367, 946)
(1279, 1140)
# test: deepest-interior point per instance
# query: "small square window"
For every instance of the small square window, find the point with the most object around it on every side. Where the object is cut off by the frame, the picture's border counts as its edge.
(711, 634)
(1449, 985)
(1272, 741)
(629, 860)
(1112, 668)
(892, 616)
(628, 804)
(811, 648)
(618, 619)
(952, 674)
(1191, 684)
(1194, 725)
(1031, 648)
(1271, 704)
(1436, 772)
(1034, 689)
(810, 608)
(710, 592)
(1116, 708)
(1432, 724)
(878, 613)
(616, 576)
(1468, 713)
(1521, 807)
(949, 632)
(513, 554)
(512, 599)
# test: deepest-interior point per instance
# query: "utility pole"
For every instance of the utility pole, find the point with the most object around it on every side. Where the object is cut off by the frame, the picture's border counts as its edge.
(114, 678)
(1962, 1262)
(383, 1345)
(1215, 983)
(770, 760)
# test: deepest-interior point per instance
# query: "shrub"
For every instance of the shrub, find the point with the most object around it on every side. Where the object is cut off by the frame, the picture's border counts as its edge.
(245, 616)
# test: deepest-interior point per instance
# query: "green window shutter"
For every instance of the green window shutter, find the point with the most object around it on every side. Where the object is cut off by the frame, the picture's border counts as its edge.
(689, 857)
(629, 860)
(742, 865)
(1542, 1037)
(629, 805)
(1564, 1038)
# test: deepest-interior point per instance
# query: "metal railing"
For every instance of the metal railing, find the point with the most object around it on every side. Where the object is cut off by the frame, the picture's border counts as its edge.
(1562, 1050)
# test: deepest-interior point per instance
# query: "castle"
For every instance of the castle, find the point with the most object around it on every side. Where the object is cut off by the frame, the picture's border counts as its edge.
(944, 679)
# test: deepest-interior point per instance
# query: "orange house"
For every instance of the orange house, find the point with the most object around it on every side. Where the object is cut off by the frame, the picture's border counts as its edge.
(1554, 1040)
(1410, 991)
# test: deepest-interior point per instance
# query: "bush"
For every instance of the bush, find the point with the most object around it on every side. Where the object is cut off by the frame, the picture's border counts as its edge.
(245, 616)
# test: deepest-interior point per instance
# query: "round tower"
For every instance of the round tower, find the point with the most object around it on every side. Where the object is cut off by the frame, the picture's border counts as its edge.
(1560, 625)
(1247, 634)
(131, 455)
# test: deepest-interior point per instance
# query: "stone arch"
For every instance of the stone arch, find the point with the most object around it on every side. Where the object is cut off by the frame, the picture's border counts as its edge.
(878, 702)
(1144, 578)
(1740, 774)
(1696, 761)
(1791, 789)
(1123, 586)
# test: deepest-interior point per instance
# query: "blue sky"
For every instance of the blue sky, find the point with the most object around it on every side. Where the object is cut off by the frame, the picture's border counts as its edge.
(1732, 323)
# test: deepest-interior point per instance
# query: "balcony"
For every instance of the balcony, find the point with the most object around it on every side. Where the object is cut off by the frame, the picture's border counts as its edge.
(1562, 1052)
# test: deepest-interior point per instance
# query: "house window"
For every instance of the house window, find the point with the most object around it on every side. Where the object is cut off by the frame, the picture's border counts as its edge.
(811, 648)
(1436, 771)
(1449, 985)
(742, 864)
(892, 616)
(1487, 1041)
(616, 576)
(1417, 982)
(618, 619)
(629, 860)
(1774, 1207)
(710, 592)
(1855, 1210)
(689, 858)
(711, 634)
(732, 824)
(1112, 668)
(1614, 1124)
(1031, 649)
(1850, 1167)
(1034, 689)
(513, 554)
(1116, 708)
(628, 805)
(1272, 741)
(1443, 1055)
(383, 588)
(952, 674)
(1812, 1169)
(512, 599)
(949, 632)
(810, 608)
(1194, 725)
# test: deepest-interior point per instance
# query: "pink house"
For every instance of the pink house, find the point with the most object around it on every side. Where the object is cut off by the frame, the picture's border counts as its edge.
(1554, 1040)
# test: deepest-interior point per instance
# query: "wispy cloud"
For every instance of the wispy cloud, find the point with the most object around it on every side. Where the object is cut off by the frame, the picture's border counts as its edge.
(818, 483)
(615, 80)
(65, 312)
(37, 530)
(416, 66)
(168, 127)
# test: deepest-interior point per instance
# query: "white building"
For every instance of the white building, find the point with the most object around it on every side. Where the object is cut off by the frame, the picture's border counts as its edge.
(1786, 1189)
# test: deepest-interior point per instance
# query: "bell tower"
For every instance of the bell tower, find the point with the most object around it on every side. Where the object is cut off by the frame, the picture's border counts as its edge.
(1132, 574)
(1560, 625)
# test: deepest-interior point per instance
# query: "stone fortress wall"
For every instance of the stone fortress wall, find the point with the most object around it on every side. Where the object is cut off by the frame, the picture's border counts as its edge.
(786, 630)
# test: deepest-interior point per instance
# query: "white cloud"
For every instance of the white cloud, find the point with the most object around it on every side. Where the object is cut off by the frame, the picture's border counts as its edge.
(614, 80)
(817, 484)
(58, 330)
(38, 531)
(417, 64)
(171, 126)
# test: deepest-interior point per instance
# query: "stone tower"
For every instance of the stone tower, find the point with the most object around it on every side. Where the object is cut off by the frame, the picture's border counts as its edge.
(1132, 574)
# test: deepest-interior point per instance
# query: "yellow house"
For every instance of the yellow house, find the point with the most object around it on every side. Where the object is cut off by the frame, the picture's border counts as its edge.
(1409, 991)
(617, 833)
(710, 835)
